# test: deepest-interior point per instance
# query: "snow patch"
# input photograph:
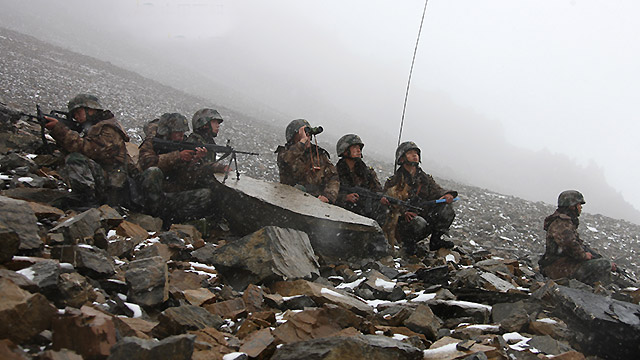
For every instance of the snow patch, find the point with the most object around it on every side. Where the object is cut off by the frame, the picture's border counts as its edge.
(387, 285)
(28, 273)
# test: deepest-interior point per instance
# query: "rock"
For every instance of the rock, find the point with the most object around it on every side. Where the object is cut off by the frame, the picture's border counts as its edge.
(471, 312)
(335, 233)
(548, 345)
(210, 344)
(44, 274)
(87, 259)
(446, 348)
(148, 281)
(298, 302)
(198, 297)
(512, 317)
(205, 253)
(179, 347)
(187, 232)
(370, 347)
(39, 195)
(267, 255)
(10, 351)
(43, 211)
(22, 314)
(22, 281)
(136, 327)
(130, 230)
(603, 326)
(553, 327)
(86, 331)
(63, 354)
(253, 297)
(259, 344)
(378, 286)
(423, 321)
(17, 216)
(147, 222)
(12, 161)
(109, 217)
(323, 294)
(437, 275)
(172, 240)
(178, 320)
(316, 323)
(228, 309)
(180, 280)
(74, 290)
(9, 244)
(79, 227)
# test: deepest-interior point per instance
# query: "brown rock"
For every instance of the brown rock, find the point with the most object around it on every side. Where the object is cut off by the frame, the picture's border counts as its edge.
(437, 351)
(180, 319)
(180, 280)
(323, 294)
(147, 222)
(63, 354)
(229, 309)
(555, 328)
(133, 231)
(187, 232)
(109, 217)
(569, 355)
(253, 298)
(79, 227)
(148, 281)
(22, 314)
(10, 351)
(259, 344)
(316, 323)
(210, 344)
(87, 331)
(43, 211)
(152, 250)
(9, 244)
(17, 216)
(75, 290)
(134, 327)
(200, 296)
(423, 321)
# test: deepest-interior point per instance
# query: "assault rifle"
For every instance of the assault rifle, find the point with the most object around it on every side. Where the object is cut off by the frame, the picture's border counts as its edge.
(61, 116)
(620, 271)
(377, 196)
(164, 146)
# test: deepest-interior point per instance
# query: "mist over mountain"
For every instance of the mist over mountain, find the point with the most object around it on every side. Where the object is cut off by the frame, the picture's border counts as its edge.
(239, 72)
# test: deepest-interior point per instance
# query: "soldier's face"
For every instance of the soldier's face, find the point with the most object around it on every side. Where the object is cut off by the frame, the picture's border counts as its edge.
(80, 114)
(412, 156)
(579, 207)
(355, 151)
(176, 136)
(215, 126)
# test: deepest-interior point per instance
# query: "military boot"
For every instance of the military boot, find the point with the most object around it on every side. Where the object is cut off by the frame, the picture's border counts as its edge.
(437, 242)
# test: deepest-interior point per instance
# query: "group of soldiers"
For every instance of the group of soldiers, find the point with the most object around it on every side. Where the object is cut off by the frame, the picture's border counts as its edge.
(177, 185)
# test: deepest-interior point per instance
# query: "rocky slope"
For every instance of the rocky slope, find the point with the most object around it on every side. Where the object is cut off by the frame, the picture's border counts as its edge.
(98, 284)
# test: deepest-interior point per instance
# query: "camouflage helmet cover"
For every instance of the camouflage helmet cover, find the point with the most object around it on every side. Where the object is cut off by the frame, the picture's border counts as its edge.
(346, 141)
(172, 122)
(202, 117)
(570, 198)
(293, 127)
(404, 147)
(84, 100)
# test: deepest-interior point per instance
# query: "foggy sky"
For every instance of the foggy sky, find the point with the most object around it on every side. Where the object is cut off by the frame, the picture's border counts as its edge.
(524, 97)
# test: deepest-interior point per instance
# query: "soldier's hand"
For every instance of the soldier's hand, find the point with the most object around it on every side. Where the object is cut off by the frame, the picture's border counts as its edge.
(614, 267)
(51, 122)
(384, 201)
(200, 152)
(187, 155)
(323, 199)
(448, 197)
(409, 216)
(589, 256)
(302, 135)
(352, 198)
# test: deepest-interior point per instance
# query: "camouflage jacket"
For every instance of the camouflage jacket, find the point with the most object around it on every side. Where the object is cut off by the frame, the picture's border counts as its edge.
(564, 249)
(103, 142)
(296, 165)
(195, 138)
(403, 186)
(362, 176)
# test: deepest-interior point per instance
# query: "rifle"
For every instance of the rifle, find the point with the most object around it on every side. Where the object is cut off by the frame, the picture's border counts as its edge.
(620, 271)
(61, 116)
(164, 146)
(377, 196)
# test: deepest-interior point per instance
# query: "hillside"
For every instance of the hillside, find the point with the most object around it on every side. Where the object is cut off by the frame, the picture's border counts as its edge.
(35, 72)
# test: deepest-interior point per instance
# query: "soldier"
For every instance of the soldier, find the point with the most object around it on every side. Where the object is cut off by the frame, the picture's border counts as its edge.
(411, 184)
(177, 186)
(98, 167)
(353, 172)
(307, 166)
(566, 255)
(206, 124)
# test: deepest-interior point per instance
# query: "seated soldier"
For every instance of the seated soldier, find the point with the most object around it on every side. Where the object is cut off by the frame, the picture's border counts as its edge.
(566, 255)
(176, 186)
(411, 184)
(305, 165)
(353, 172)
(98, 165)
(206, 124)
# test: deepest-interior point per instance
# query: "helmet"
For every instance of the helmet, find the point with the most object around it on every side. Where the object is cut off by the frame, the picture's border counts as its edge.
(346, 141)
(84, 100)
(293, 127)
(570, 198)
(403, 148)
(172, 122)
(202, 117)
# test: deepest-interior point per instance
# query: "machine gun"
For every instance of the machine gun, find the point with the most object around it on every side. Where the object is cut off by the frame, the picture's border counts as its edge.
(61, 116)
(164, 146)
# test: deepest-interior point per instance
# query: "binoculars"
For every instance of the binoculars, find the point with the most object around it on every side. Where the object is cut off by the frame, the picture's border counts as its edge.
(313, 130)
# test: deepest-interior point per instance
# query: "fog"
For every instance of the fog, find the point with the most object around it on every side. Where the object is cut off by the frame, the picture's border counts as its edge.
(523, 97)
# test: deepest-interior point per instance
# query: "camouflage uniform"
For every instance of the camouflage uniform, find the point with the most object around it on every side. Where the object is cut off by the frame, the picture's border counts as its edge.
(565, 255)
(98, 166)
(296, 165)
(433, 220)
(211, 157)
(361, 176)
(174, 189)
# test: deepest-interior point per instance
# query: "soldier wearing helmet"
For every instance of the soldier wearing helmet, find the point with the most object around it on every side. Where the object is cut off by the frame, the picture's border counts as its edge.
(98, 165)
(411, 183)
(353, 172)
(306, 165)
(206, 124)
(566, 255)
(176, 184)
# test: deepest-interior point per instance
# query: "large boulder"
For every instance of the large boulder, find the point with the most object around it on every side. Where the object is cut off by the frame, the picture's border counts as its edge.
(87, 331)
(22, 314)
(81, 226)
(148, 281)
(269, 254)
(179, 347)
(17, 216)
(335, 233)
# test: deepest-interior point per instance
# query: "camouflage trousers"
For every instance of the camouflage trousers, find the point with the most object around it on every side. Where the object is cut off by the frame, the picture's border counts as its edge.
(433, 222)
(91, 184)
(369, 207)
(594, 270)
(174, 207)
